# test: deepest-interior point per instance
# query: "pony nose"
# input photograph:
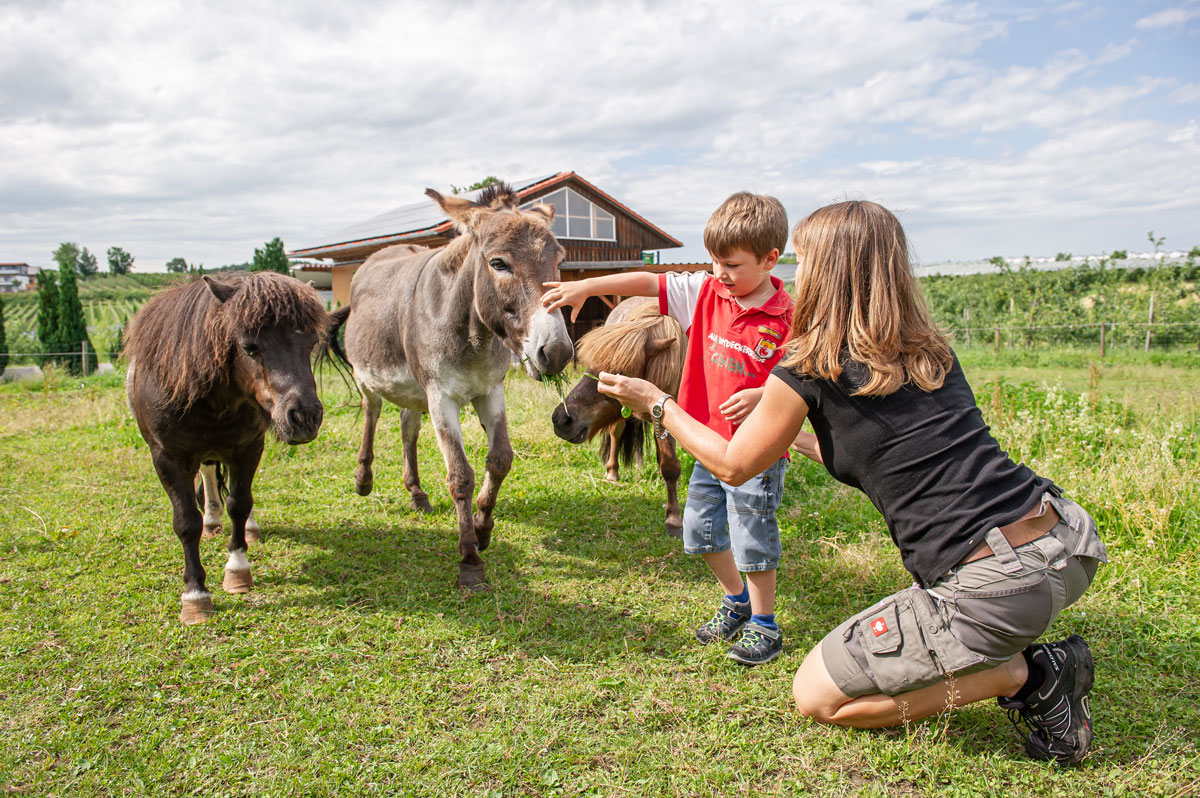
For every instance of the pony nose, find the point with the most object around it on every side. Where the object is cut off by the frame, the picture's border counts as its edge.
(561, 417)
(305, 419)
(553, 356)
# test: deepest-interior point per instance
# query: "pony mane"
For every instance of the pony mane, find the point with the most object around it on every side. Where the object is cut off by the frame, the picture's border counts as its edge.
(186, 340)
(620, 348)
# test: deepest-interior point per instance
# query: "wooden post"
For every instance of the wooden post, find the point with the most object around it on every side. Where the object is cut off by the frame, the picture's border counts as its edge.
(967, 324)
(1151, 322)
(83, 350)
(1103, 342)
(997, 339)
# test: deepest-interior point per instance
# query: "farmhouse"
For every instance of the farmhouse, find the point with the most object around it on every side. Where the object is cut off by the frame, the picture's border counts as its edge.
(15, 277)
(601, 236)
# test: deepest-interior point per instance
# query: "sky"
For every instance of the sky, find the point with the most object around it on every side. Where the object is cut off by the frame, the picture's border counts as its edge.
(202, 130)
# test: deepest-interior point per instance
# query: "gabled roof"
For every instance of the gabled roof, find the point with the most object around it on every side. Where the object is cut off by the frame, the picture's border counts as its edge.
(422, 220)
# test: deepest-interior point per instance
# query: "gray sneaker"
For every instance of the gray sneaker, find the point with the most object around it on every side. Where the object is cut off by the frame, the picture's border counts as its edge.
(1058, 716)
(759, 645)
(731, 616)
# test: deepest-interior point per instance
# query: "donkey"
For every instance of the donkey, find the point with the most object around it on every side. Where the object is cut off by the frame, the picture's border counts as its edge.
(431, 330)
(213, 365)
(636, 341)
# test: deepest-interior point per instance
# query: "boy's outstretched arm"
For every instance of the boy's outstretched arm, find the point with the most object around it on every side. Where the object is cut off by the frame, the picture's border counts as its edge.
(739, 404)
(806, 443)
(576, 292)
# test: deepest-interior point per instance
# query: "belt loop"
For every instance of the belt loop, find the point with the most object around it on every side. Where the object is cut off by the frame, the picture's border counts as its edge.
(1003, 551)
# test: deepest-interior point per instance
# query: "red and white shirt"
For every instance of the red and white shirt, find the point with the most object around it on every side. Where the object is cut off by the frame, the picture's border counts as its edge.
(730, 348)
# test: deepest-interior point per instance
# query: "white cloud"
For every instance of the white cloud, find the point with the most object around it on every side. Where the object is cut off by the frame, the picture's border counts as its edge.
(1167, 18)
(202, 130)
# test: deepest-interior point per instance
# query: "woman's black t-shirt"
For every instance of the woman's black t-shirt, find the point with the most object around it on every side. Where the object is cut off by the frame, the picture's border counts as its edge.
(926, 460)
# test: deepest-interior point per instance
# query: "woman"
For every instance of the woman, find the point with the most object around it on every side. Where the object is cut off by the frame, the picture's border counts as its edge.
(996, 552)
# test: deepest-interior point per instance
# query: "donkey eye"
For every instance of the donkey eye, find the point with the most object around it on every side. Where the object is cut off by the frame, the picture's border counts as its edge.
(499, 265)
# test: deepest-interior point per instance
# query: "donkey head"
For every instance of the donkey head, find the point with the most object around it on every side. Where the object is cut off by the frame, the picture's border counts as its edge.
(272, 328)
(511, 254)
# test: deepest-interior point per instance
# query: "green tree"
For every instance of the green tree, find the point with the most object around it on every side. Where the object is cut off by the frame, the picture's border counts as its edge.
(3, 340)
(271, 258)
(47, 317)
(67, 253)
(72, 327)
(487, 181)
(86, 263)
(178, 265)
(119, 261)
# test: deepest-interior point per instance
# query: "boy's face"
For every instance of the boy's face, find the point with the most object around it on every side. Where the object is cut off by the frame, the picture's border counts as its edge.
(742, 272)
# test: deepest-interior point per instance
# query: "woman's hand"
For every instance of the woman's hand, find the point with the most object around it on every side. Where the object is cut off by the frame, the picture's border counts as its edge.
(638, 395)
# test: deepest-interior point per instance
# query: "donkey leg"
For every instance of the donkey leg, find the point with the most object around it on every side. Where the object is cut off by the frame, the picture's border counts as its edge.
(461, 480)
(668, 466)
(212, 501)
(178, 478)
(612, 471)
(241, 504)
(364, 480)
(492, 416)
(410, 427)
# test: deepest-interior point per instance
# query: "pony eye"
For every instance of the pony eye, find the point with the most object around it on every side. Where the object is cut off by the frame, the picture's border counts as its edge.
(250, 348)
(499, 265)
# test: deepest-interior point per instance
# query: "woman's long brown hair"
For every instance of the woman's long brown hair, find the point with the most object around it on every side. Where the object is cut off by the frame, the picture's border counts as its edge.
(857, 297)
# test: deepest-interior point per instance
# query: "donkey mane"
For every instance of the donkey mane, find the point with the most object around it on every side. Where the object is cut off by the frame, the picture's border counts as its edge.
(186, 339)
(621, 348)
(497, 195)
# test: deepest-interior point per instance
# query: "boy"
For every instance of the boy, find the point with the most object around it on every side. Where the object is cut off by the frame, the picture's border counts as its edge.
(736, 320)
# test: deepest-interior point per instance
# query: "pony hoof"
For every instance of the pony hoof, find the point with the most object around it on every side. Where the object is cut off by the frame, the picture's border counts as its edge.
(363, 487)
(211, 531)
(612, 477)
(484, 536)
(238, 582)
(196, 610)
(673, 531)
(253, 533)
(421, 504)
(470, 577)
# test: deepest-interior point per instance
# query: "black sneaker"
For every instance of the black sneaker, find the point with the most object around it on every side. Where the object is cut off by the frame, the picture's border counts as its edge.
(730, 618)
(1059, 714)
(759, 645)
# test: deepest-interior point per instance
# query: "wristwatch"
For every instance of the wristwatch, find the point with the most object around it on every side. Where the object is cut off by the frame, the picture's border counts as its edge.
(656, 414)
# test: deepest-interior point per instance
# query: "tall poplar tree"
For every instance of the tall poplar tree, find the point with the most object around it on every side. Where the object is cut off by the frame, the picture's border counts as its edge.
(271, 258)
(47, 317)
(3, 340)
(72, 327)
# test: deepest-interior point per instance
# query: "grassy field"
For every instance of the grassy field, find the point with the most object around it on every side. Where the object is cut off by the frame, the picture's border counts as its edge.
(357, 668)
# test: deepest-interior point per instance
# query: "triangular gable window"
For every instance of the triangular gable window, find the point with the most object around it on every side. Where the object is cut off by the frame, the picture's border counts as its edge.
(577, 217)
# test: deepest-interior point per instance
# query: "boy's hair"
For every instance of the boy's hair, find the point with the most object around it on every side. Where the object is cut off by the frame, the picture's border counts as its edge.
(857, 297)
(753, 222)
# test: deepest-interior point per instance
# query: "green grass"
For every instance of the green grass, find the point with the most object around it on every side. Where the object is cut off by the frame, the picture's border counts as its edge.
(357, 668)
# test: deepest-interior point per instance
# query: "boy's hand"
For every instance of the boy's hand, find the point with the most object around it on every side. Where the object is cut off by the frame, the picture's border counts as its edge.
(737, 407)
(573, 293)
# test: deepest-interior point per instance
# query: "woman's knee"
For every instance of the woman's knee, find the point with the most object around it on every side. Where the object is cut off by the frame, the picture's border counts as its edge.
(814, 691)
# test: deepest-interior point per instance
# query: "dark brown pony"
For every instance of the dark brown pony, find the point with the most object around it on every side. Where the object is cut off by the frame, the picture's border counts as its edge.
(636, 341)
(213, 365)
(434, 330)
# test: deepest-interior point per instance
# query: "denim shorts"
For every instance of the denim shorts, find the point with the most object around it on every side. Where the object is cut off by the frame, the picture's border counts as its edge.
(975, 616)
(718, 517)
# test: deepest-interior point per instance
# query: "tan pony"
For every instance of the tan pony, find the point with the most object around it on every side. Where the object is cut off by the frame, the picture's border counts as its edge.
(636, 341)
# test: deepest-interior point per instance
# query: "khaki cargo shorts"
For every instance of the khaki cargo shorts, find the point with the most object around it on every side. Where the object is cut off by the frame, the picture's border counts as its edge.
(975, 617)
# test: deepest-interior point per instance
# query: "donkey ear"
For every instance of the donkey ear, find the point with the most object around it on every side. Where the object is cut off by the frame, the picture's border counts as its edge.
(657, 346)
(544, 210)
(221, 291)
(463, 212)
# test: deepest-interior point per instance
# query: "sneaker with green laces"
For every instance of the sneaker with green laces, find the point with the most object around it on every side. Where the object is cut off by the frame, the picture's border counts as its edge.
(758, 645)
(729, 619)
(1058, 716)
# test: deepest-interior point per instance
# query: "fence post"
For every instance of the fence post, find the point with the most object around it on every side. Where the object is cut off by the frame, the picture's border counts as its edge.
(967, 324)
(997, 339)
(83, 350)
(1103, 343)
(1148, 326)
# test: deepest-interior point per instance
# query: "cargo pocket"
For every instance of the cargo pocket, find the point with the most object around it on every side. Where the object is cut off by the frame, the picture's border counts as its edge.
(998, 624)
(1077, 530)
(904, 645)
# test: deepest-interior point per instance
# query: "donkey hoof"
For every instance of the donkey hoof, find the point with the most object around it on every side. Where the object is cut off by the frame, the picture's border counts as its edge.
(238, 581)
(253, 533)
(484, 536)
(196, 610)
(420, 503)
(363, 488)
(211, 531)
(673, 531)
(470, 577)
